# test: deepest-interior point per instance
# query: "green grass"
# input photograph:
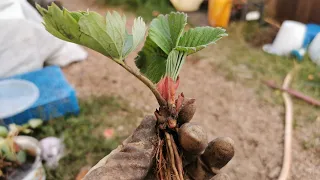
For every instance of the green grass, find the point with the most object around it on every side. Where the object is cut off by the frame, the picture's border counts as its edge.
(83, 135)
(143, 8)
(238, 61)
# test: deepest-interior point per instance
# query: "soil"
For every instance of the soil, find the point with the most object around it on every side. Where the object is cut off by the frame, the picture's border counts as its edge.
(224, 108)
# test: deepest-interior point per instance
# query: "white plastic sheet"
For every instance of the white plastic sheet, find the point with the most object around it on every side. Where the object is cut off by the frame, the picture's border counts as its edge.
(25, 45)
(11, 9)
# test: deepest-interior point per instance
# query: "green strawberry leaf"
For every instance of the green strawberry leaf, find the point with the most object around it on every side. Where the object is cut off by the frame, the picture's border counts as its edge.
(164, 51)
(64, 25)
(198, 38)
(138, 33)
(164, 34)
(116, 29)
(151, 61)
(93, 25)
(105, 35)
(166, 30)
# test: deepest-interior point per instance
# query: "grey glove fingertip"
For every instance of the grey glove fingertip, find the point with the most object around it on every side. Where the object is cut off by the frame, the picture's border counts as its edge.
(193, 138)
(218, 152)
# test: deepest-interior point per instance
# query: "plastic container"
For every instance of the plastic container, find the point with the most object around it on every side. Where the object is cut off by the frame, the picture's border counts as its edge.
(219, 12)
(57, 98)
(314, 50)
(36, 172)
(16, 96)
(186, 5)
(312, 31)
(299, 53)
(290, 37)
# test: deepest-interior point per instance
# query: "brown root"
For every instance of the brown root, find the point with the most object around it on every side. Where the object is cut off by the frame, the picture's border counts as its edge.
(172, 155)
(159, 158)
(178, 159)
(168, 169)
(168, 160)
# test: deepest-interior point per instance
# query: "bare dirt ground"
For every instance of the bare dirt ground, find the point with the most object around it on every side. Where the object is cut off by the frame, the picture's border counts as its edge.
(225, 108)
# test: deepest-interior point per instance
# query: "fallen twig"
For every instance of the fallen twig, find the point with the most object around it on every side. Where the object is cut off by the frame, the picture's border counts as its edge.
(288, 129)
(295, 93)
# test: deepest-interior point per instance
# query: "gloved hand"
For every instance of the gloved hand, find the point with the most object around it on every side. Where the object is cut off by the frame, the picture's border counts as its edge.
(134, 159)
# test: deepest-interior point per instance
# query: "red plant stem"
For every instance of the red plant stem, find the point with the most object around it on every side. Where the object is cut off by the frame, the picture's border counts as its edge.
(295, 93)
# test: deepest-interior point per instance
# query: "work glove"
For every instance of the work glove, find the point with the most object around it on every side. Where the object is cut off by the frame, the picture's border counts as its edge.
(135, 158)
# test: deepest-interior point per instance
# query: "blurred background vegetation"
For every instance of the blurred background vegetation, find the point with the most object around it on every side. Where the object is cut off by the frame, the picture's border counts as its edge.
(144, 8)
(83, 135)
